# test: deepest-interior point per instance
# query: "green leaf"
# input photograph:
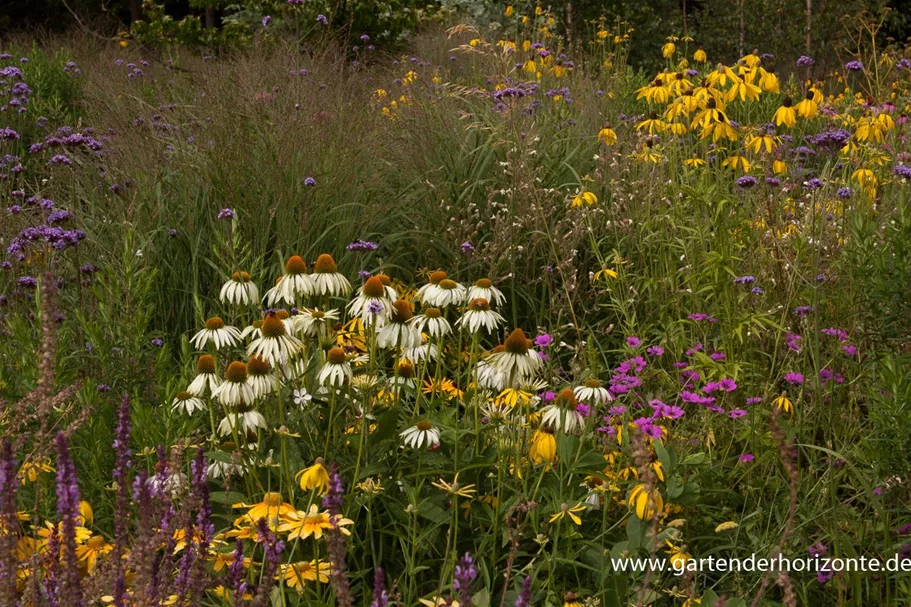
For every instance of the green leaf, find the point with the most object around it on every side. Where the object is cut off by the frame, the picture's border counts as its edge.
(481, 598)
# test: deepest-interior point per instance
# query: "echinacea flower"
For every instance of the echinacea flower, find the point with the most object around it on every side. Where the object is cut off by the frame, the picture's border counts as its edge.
(294, 284)
(422, 434)
(239, 291)
(399, 332)
(206, 378)
(372, 305)
(337, 370)
(235, 390)
(561, 414)
(246, 422)
(447, 293)
(479, 316)
(483, 289)
(593, 392)
(326, 279)
(187, 403)
(313, 322)
(274, 345)
(218, 333)
(517, 361)
(432, 322)
(260, 377)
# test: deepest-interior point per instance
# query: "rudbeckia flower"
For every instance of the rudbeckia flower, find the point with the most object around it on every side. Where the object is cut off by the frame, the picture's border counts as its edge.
(645, 502)
(296, 575)
(588, 198)
(543, 446)
(786, 114)
(314, 477)
(566, 511)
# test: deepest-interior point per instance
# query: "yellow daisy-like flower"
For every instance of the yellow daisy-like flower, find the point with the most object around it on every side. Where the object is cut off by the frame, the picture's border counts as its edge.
(784, 403)
(566, 511)
(271, 508)
(94, 547)
(700, 56)
(588, 198)
(30, 471)
(296, 575)
(513, 396)
(454, 489)
(645, 502)
(543, 446)
(607, 136)
(300, 524)
(604, 274)
(314, 477)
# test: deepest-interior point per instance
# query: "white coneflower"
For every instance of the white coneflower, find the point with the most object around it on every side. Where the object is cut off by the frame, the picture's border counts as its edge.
(275, 345)
(234, 391)
(432, 287)
(314, 323)
(487, 376)
(447, 293)
(205, 376)
(187, 403)
(391, 295)
(422, 434)
(399, 331)
(517, 362)
(592, 393)
(295, 283)
(244, 422)
(240, 290)
(337, 371)
(218, 333)
(484, 289)
(252, 330)
(403, 378)
(496, 410)
(260, 376)
(561, 414)
(294, 369)
(426, 351)
(326, 278)
(432, 322)
(479, 316)
(372, 305)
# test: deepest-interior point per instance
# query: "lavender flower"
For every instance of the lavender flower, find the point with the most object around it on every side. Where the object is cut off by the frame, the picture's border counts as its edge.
(524, 598)
(467, 247)
(902, 171)
(309, 182)
(854, 66)
(380, 595)
(226, 214)
(465, 574)
(746, 182)
(804, 61)
(362, 245)
(321, 19)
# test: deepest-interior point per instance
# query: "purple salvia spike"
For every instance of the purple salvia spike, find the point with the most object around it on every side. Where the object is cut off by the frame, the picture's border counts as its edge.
(68, 509)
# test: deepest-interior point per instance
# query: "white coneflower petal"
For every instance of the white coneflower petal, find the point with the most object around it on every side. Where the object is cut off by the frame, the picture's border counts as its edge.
(235, 391)
(294, 284)
(422, 434)
(314, 322)
(240, 290)
(517, 361)
(337, 371)
(489, 377)
(593, 393)
(260, 377)
(447, 293)
(216, 332)
(187, 403)
(326, 279)
(399, 332)
(432, 322)
(480, 316)
(206, 378)
(484, 289)
(275, 345)
(372, 304)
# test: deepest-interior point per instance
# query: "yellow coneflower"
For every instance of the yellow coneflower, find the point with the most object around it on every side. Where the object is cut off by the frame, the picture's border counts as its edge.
(668, 50)
(726, 526)
(239, 291)
(314, 477)
(744, 89)
(768, 81)
(737, 162)
(808, 107)
(786, 114)
(272, 508)
(216, 332)
(699, 56)
(588, 198)
(509, 11)
(567, 511)
(652, 124)
(645, 502)
(296, 575)
(301, 524)
(758, 141)
(784, 403)
(455, 489)
(31, 470)
(543, 446)
(607, 136)
(779, 167)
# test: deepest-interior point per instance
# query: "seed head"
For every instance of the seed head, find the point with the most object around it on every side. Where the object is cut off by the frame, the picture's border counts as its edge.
(296, 265)
(437, 277)
(214, 323)
(479, 304)
(483, 283)
(336, 356)
(205, 364)
(406, 369)
(448, 284)
(236, 372)
(273, 326)
(374, 287)
(516, 343)
(240, 277)
(401, 311)
(257, 366)
(424, 425)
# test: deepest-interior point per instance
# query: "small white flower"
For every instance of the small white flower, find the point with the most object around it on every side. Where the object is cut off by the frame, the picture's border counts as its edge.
(484, 289)
(187, 403)
(302, 398)
(240, 290)
(479, 316)
(432, 322)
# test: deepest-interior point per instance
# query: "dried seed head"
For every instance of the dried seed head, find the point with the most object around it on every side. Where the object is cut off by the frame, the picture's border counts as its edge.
(325, 265)
(432, 313)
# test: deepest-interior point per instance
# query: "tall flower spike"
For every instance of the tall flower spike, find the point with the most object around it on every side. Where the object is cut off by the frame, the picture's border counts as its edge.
(465, 574)
(8, 523)
(380, 596)
(121, 515)
(68, 510)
